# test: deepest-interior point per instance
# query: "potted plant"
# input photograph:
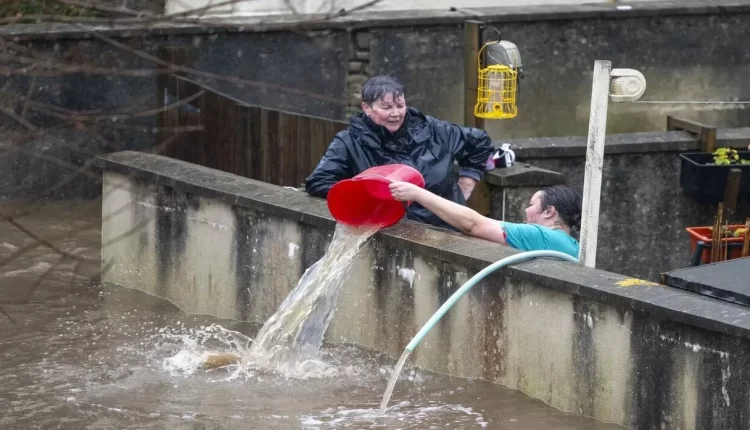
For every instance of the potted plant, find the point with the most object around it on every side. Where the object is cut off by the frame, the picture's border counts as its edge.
(703, 175)
(732, 238)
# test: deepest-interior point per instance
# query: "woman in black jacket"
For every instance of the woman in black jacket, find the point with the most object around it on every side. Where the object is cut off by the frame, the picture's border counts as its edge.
(387, 132)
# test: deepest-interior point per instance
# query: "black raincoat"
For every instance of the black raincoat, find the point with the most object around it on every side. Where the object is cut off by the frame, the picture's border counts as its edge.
(429, 145)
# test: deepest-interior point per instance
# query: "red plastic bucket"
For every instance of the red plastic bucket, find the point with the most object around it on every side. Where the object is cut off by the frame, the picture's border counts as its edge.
(365, 199)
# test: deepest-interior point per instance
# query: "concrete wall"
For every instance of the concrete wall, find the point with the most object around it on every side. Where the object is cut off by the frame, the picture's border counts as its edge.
(644, 211)
(691, 51)
(678, 55)
(687, 51)
(280, 7)
(643, 356)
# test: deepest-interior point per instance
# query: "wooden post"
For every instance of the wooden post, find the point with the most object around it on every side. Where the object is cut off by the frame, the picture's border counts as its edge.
(706, 133)
(167, 142)
(176, 55)
(716, 235)
(480, 197)
(732, 190)
(592, 184)
(708, 139)
(472, 44)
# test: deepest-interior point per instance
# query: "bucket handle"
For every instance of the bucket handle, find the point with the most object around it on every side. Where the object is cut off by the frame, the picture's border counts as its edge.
(375, 176)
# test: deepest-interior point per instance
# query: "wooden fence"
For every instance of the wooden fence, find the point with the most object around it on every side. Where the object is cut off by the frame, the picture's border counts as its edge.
(205, 127)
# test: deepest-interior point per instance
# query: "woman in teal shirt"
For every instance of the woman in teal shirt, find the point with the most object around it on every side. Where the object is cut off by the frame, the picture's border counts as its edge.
(553, 216)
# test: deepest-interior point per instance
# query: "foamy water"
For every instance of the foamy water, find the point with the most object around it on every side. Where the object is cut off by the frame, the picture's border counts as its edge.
(402, 415)
(196, 345)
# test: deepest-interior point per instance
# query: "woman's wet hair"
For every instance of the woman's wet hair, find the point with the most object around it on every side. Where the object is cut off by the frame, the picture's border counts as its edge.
(566, 201)
(379, 86)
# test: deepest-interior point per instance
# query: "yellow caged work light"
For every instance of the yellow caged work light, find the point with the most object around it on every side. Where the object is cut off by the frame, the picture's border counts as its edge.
(498, 80)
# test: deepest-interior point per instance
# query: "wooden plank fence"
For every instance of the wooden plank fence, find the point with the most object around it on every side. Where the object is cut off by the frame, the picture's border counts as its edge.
(203, 126)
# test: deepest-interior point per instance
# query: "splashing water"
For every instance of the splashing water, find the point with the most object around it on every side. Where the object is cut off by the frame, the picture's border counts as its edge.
(404, 415)
(191, 351)
(295, 332)
(201, 345)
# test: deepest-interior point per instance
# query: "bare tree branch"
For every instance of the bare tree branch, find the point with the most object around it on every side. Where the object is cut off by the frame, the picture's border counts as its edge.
(73, 116)
(5, 313)
(43, 277)
(42, 241)
(100, 7)
(18, 119)
(37, 124)
(210, 75)
(25, 109)
(178, 17)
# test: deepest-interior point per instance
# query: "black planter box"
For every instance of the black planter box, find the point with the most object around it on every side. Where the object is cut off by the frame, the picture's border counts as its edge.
(705, 183)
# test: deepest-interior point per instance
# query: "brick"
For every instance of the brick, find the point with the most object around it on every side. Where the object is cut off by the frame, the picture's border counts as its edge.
(362, 55)
(363, 39)
(356, 81)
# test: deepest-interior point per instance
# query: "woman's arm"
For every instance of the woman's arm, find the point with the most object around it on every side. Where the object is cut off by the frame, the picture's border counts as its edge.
(467, 186)
(466, 220)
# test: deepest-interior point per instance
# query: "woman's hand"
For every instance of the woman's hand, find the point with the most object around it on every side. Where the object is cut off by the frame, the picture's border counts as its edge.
(467, 186)
(404, 191)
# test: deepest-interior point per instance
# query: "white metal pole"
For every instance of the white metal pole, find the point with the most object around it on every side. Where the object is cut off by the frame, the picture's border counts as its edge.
(592, 184)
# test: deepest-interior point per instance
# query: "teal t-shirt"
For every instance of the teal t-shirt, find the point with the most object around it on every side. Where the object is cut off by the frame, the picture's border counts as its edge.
(534, 237)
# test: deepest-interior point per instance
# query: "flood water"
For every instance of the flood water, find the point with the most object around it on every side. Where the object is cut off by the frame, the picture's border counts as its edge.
(75, 354)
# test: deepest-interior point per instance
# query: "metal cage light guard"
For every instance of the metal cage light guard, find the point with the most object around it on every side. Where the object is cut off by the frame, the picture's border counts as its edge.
(496, 89)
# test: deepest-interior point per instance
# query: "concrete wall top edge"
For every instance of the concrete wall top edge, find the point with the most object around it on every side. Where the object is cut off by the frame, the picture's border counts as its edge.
(385, 19)
(664, 302)
(628, 143)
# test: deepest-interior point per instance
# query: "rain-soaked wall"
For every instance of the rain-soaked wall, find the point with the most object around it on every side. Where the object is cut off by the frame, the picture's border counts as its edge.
(686, 50)
(693, 50)
(643, 209)
(646, 356)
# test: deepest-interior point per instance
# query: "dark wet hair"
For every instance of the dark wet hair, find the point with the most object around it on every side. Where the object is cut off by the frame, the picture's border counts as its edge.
(379, 86)
(566, 201)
